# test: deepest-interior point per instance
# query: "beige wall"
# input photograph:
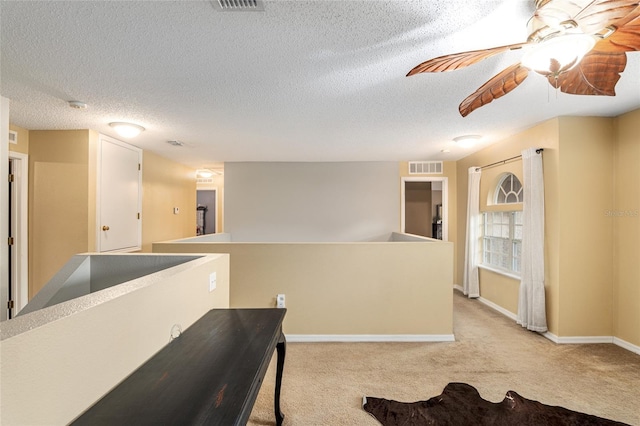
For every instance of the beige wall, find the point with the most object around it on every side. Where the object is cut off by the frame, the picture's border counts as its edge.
(586, 238)
(592, 271)
(23, 140)
(62, 200)
(58, 201)
(626, 227)
(165, 185)
(396, 288)
(74, 353)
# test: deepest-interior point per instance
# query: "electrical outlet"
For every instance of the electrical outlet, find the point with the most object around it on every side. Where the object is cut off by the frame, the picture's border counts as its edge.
(280, 301)
(212, 281)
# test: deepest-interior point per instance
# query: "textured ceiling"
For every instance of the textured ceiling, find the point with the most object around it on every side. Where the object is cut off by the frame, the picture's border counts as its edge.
(303, 81)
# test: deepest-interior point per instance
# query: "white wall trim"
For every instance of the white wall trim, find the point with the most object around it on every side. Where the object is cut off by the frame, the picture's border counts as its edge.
(498, 308)
(490, 304)
(4, 211)
(573, 340)
(626, 345)
(568, 340)
(309, 338)
(21, 286)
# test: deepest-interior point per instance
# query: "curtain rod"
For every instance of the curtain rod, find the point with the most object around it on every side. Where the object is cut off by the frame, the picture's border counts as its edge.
(538, 151)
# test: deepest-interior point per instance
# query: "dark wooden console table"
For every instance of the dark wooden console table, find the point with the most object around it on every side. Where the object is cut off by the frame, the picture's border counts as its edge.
(210, 375)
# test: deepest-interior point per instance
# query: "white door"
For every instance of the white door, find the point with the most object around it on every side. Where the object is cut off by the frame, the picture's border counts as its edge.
(119, 196)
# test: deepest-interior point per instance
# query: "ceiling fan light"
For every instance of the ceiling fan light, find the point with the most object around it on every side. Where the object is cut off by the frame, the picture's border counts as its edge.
(127, 130)
(558, 54)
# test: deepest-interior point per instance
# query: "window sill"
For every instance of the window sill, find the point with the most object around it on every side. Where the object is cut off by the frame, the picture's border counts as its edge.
(501, 272)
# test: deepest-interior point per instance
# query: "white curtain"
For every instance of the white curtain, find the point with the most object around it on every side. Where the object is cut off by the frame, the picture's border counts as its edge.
(531, 303)
(471, 283)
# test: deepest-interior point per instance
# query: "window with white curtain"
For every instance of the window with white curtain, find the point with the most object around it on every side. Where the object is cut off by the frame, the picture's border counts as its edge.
(502, 231)
(502, 240)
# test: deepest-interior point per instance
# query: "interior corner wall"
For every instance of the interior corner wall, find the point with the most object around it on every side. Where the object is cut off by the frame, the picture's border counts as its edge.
(626, 226)
(166, 185)
(586, 235)
(294, 202)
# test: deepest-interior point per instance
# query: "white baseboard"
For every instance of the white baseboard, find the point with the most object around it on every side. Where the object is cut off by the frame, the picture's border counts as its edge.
(498, 308)
(309, 338)
(577, 340)
(626, 345)
(568, 340)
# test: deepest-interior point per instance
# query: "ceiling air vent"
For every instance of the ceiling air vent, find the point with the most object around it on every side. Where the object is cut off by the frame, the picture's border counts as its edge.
(238, 5)
(425, 167)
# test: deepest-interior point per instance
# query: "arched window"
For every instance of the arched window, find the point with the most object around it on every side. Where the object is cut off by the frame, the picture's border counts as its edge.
(509, 190)
(502, 230)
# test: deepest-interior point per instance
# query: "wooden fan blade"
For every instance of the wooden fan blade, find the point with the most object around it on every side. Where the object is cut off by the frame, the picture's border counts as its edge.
(592, 18)
(460, 60)
(597, 74)
(600, 14)
(624, 39)
(499, 85)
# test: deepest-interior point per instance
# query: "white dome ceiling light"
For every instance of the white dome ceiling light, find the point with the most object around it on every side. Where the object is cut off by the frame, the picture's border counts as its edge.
(127, 130)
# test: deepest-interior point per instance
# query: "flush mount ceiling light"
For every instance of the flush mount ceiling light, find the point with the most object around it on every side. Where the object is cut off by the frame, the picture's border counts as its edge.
(77, 105)
(204, 173)
(127, 130)
(467, 141)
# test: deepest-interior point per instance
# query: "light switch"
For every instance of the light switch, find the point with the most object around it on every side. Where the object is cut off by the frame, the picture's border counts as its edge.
(176, 210)
(212, 281)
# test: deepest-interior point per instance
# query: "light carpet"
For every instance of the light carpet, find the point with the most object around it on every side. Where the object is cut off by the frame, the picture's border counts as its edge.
(324, 383)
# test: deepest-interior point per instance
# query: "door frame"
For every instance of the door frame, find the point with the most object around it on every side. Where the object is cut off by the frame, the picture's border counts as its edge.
(445, 201)
(20, 209)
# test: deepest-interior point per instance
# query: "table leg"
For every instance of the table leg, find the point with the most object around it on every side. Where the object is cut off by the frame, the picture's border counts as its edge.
(281, 349)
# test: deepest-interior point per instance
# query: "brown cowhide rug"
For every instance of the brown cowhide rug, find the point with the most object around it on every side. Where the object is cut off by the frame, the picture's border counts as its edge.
(461, 404)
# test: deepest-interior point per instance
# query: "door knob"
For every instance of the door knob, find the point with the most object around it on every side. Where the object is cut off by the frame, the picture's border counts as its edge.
(105, 228)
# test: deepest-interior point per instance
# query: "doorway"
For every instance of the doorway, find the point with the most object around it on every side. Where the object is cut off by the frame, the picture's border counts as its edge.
(424, 207)
(206, 211)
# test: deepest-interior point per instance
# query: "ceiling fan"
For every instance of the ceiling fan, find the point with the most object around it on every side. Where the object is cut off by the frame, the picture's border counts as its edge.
(578, 45)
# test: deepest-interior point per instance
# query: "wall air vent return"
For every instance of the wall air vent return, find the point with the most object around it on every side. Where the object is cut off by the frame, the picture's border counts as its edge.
(425, 167)
(238, 5)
